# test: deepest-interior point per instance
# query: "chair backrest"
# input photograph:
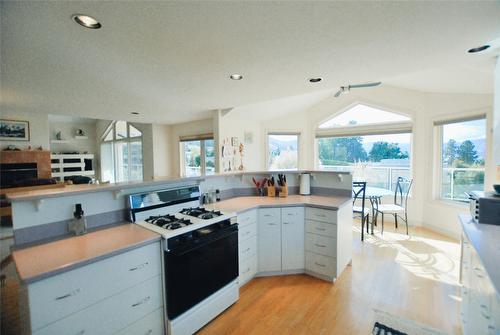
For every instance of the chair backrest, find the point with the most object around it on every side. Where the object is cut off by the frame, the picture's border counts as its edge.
(358, 192)
(403, 187)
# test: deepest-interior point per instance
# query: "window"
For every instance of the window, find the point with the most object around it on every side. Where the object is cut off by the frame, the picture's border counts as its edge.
(463, 145)
(121, 153)
(283, 151)
(377, 154)
(363, 115)
(377, 159)
(198, 156)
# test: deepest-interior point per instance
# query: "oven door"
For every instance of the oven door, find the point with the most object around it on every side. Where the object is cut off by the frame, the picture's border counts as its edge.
(195, 273)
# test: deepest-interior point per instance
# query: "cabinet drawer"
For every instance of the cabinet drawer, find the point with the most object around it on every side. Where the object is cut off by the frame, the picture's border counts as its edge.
(323, 215)
(321, 228)
(248, 269)
(320, 264)
(151, 324)
(270, 215)
(247, 231)
(292, 214)
(321, 244)
(247, 217)
(247, 248)
(56, 297)
(111, 314)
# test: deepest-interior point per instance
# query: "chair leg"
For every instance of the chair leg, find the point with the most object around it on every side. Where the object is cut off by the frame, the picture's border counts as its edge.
(406, 221)
(382, 223)
(362, 227)
(372, 223)
(396, 220)
(368, 224)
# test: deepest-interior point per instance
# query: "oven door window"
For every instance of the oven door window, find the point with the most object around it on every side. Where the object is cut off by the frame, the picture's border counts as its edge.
(194, 275)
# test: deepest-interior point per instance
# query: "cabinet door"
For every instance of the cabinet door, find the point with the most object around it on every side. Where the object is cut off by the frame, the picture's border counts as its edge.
(269, 241)
(292, 240)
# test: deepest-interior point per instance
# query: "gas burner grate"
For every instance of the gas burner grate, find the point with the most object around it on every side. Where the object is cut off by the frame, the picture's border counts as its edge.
(201, 213)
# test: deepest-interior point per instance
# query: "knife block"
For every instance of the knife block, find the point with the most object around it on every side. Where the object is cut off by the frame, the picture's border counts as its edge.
(271, 191)
(284, 191)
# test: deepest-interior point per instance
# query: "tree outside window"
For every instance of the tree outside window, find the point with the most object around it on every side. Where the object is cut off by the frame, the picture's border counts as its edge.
(462, 161)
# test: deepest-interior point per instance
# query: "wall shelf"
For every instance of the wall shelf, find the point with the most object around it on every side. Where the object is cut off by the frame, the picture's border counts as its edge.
(59, 141)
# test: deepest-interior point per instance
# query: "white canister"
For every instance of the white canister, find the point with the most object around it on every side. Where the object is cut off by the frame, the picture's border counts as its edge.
(305, 184)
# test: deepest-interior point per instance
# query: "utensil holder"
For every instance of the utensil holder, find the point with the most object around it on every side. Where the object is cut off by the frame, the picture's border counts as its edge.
(271, 191)
(284, 191)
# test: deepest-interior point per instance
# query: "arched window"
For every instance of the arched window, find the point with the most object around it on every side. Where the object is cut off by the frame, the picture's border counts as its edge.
(372, 143)
(121, 153)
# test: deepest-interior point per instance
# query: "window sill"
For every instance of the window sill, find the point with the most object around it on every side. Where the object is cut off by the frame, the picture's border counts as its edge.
(451, 203)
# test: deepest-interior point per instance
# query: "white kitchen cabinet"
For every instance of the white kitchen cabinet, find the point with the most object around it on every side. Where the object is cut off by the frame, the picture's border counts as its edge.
(76, 299)
(110, 315)
(151, 324)
(480, 309)
(247, 246)
(292, 238)
(269, 240)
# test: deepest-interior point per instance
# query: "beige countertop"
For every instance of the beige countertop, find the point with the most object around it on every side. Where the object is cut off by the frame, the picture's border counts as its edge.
(241, 204)
(45, 260)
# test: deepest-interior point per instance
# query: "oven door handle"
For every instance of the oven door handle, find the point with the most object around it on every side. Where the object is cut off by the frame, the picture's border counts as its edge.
(183, 251)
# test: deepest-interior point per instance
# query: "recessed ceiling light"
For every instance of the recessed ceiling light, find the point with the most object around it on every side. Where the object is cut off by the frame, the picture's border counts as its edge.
(236, 76)
(86, 21)
(134, 113)
(478, 49)
(315, 80)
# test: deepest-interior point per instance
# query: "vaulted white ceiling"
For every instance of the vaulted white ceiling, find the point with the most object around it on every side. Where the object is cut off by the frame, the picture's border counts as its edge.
(170, 61)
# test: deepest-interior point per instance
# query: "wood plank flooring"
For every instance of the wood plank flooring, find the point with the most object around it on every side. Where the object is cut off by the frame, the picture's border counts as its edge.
(414, 277)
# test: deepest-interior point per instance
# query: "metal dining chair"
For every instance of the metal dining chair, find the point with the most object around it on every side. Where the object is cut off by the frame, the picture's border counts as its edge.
(358, 193)
(400, 206)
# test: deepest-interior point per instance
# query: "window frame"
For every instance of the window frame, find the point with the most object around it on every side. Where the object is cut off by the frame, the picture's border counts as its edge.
(112, 129)
(437, 125)
(202, 139)
(284, 133)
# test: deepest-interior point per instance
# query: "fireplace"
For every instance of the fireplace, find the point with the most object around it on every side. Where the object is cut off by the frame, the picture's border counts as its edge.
(11, 174)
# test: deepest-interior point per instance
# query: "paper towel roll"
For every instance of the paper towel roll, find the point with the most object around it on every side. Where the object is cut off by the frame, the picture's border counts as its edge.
(305, 184)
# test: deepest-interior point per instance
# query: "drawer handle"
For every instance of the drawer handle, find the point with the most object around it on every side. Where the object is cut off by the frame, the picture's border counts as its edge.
(140, 266)
(320, 229)
(319, 245)
(141, 302)
(319, 264)
(321, 215)
(267, 215)
(246, 271)
(272, 224)
(247, 232)
(484, 308)
(70, 294)
(247, 250)
(290, 214)
(149, 332)
(478, 272)
(286, 222)
(81, 332)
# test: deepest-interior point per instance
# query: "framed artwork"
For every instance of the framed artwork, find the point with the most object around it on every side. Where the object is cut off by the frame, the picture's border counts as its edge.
(13, 130)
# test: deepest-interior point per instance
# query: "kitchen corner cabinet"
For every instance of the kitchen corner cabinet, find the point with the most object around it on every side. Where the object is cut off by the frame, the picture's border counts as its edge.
(247, 245)
(116, 294)
(480, 308)
(281, 240)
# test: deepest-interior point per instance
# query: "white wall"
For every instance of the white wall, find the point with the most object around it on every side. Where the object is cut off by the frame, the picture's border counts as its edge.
(68, 131)
(39, 129)
(421, 107)
(496, 127)
(162, 160)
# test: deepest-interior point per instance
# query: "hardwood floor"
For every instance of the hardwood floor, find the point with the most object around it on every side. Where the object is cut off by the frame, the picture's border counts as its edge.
(414, 277)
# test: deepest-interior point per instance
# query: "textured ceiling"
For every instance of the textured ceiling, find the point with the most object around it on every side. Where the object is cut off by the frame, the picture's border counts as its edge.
(170, 61)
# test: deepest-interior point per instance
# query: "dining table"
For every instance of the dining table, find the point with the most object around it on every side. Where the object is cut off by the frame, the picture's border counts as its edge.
(375, 195)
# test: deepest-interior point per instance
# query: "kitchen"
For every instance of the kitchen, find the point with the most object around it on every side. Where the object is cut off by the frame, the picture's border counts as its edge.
(198, 171)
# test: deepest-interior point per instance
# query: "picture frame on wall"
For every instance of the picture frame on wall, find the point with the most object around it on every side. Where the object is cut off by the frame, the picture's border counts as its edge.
(14, 130)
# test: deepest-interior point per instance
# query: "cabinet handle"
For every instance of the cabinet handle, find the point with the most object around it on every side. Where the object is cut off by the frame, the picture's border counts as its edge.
(484, 308)
(267, 215)
(290, 214)
(247, 232)
(321, 215)
(478, 272)
(140, 266)
(150, 331)
(81, 332)
(319, 245)
(319, 264)
(247, 250)
(320, 229)
(286, 222)
(246, 271)
(272, 224)
(72, 293)
(141, 302)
